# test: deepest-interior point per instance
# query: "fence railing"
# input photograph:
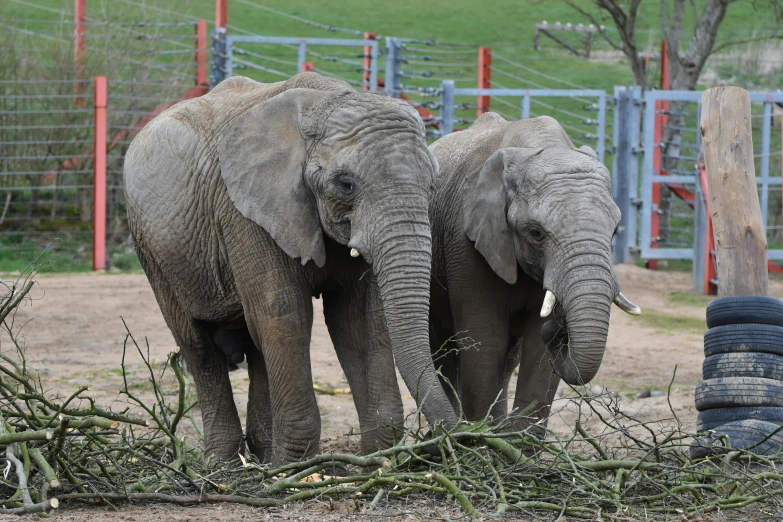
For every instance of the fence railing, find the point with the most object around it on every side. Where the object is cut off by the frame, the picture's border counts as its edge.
(63, 139)
(447, 106)
(663, 209)
(226, 50)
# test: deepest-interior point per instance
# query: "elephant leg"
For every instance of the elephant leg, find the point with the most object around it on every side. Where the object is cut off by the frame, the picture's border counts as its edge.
(209, 368)
(236, 344)
(513, 355)
(260, 423)
(446, 359)
(357, 327)
(279, 313)
(537, 380)
(481, 367)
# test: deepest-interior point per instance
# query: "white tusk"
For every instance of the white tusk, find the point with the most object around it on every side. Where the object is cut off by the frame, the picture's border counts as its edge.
(354, 252)
(549, 304)
(626, 306)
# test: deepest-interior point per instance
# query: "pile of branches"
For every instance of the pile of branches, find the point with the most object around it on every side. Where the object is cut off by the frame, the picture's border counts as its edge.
(66, 449)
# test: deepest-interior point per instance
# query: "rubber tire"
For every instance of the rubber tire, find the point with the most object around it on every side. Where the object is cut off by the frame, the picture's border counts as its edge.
(736, 338)
(742, 435)
(731, 392)
(711, 419)
(762, 365)
(745, 309)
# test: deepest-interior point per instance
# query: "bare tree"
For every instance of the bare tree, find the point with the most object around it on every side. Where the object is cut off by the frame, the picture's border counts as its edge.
(686, 59)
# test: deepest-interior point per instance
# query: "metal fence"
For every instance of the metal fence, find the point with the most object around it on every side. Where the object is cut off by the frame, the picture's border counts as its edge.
(594, 98)
(47, 126)
(656, 175)
(227, 52)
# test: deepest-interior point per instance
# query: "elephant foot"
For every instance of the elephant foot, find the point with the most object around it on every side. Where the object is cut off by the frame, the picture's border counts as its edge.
(224, 450)
(260, 446)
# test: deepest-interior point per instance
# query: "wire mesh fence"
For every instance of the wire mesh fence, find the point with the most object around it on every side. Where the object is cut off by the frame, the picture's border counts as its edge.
(47, 122)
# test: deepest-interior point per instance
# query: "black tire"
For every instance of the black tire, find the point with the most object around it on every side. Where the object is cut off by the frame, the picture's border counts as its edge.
(762, 365)
(735, 338)
(716, 417)
(746, 434)
(731, 392)
(745, 309)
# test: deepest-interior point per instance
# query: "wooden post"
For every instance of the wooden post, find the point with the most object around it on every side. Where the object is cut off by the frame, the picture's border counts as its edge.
(202, 76)
(740, 237)
(79, 45)
(221, 14)
(99, 177)
(484, 74)
(367, 61)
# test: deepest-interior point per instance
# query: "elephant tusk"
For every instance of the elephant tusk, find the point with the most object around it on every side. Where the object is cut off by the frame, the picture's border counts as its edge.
(354, 252)
(626, 306)
(549, 304)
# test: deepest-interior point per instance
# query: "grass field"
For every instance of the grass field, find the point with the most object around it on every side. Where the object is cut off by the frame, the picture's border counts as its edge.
(506, 26)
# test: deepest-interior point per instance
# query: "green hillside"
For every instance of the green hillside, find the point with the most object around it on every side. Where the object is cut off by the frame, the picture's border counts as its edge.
(38, 46)
(505, 25)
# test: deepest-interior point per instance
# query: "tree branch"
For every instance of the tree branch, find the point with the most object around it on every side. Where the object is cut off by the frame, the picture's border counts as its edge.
(730, 43)
(597, 23)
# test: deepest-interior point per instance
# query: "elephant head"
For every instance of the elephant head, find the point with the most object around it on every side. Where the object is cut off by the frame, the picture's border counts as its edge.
(356, 167)
(550, 211)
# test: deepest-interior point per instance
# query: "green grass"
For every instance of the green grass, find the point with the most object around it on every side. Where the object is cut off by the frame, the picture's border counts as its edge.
(73, 254)
(664, 322)
(691, 299)
(505, 25)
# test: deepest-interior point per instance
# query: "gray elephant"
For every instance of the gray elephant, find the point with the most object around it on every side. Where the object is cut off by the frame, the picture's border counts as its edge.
(520, 217)
(247, 202)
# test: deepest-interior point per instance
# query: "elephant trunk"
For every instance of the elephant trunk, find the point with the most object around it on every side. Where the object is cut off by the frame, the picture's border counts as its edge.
(401, 252)
(585, 293)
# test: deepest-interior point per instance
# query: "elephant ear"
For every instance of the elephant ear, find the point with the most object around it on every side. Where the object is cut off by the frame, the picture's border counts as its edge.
(262, 156)
(485, 212)
(586, 149)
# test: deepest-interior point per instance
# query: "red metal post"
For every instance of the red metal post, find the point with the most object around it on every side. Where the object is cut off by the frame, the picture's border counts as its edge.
(308, 67)
(484, 74)
(661, 107)
(710, 269)
(367, 61)
(99, 178)
(202, 77)
(221, 14)
(79, 45)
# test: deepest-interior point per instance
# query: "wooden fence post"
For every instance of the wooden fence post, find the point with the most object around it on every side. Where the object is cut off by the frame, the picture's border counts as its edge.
(79, 45)
(99, 178)
(484, 75)
(202, 74)
(221, 14)
(740, 237)
(367, 60)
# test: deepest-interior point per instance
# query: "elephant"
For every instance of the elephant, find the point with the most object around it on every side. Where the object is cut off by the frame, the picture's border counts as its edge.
(249, 201)
(520, 217)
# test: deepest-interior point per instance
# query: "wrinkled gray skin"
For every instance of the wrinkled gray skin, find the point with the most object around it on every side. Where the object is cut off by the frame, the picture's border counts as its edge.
(244, 204)
(518, 210)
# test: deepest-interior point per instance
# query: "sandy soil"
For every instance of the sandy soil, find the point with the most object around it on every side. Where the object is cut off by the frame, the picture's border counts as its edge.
(74, 334)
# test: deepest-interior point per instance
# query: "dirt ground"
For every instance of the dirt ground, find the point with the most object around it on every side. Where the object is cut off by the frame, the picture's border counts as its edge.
(74, 336)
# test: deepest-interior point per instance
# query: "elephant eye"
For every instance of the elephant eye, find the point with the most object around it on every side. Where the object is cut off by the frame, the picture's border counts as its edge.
(536, 234)
(346, 184)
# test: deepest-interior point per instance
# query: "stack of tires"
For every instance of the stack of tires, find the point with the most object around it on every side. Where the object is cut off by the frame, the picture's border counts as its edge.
(742, 392)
